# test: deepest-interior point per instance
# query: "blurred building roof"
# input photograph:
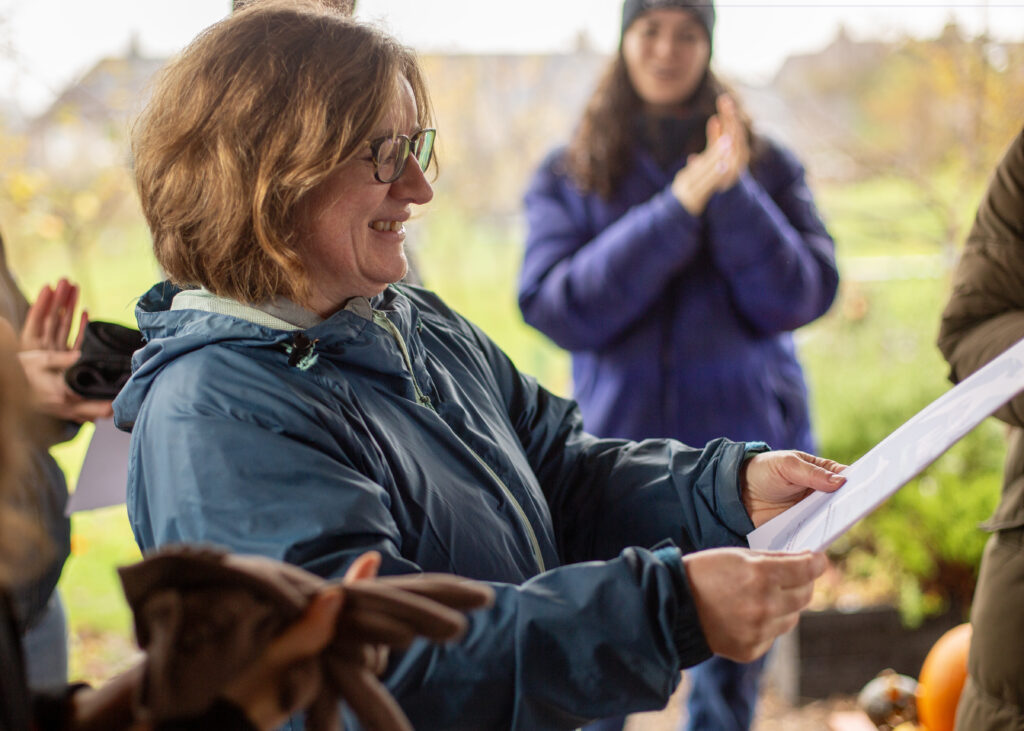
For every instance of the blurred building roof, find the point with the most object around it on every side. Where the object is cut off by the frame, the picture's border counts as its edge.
(87, 124)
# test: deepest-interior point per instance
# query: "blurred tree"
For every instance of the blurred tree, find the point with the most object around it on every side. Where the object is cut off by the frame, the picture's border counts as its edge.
(497, 116)
(49, 214)
(939, 114)
(935, 113)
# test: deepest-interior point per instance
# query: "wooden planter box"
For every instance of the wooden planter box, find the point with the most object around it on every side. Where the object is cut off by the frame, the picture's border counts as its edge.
(837, 652)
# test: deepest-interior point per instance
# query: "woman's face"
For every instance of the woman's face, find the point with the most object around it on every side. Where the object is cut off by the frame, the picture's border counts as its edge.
(353, 240)
(666, 53)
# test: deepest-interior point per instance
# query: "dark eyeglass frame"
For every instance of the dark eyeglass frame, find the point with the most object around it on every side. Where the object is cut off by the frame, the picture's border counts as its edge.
(424, 139)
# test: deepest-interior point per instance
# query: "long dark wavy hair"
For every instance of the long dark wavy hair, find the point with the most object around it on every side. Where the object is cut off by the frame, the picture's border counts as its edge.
(600, 151)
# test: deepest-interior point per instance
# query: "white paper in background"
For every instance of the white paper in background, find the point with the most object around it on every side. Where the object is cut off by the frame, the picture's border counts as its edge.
(104, 476)
(815, 522)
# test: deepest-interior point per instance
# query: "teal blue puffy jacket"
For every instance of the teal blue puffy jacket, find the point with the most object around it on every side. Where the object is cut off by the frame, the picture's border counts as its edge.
(414, 435)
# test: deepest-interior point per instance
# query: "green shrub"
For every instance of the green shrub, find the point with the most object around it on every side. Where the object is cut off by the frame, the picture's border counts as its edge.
(872, 364)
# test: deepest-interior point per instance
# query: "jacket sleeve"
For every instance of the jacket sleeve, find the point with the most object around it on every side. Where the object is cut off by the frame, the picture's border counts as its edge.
(985, 312)
(46, 496)
(608, 494)
(583, 288)
(768, 240)
(574, 643)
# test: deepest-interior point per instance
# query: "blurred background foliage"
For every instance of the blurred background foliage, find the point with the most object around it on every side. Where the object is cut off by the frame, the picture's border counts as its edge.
(898, 139)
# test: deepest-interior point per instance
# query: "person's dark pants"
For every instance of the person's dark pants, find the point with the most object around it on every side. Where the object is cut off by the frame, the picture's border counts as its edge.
(993, 697)
(46, 647)
(723, 695)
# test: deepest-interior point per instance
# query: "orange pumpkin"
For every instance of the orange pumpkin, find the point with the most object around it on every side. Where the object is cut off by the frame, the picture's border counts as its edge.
(942, 679)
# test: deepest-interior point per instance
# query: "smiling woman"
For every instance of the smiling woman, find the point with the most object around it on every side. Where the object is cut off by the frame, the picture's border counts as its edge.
(312, 148)
(666, 55)
(293, 401)
(353, 223)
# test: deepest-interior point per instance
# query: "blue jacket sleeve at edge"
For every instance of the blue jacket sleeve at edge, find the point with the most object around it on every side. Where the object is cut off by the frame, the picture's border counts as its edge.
(576, 643)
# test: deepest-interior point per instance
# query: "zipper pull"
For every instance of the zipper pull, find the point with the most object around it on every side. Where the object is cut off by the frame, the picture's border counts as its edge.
(301, 353)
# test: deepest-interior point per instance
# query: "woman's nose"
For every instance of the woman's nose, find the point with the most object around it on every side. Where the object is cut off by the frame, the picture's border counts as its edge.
(412, 185)
(664, 46)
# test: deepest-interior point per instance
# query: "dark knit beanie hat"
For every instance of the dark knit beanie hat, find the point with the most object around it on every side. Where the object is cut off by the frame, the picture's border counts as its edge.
(703, 10)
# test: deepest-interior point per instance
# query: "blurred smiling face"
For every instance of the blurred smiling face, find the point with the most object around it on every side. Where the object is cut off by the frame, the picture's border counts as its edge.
(666, 52)
(353, 240)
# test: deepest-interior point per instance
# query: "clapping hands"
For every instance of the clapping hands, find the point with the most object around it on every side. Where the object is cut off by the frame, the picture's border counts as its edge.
(341, 642)
(720, 165)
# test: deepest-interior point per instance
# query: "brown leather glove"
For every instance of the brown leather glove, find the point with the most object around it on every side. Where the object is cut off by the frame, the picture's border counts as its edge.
(203, 615)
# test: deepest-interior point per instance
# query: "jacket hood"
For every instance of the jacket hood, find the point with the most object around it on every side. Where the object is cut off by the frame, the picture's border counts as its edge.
(173, 334)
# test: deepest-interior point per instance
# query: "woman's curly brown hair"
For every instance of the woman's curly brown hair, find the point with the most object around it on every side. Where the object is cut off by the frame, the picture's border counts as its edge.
(244, 123)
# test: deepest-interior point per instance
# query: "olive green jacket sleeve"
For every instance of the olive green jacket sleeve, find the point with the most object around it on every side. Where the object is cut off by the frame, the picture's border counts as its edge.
(985, 312)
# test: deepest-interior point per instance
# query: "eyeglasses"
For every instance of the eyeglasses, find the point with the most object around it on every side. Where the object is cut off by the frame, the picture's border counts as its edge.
(390, 153)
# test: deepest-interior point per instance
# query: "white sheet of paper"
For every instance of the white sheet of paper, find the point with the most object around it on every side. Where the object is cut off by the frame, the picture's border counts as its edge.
(815, 522)
(104, 476)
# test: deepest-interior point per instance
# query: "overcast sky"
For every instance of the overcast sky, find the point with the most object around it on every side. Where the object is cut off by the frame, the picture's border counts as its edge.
(46, 44)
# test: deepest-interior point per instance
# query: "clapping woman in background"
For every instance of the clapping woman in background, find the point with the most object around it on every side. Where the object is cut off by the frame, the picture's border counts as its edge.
(672, 251)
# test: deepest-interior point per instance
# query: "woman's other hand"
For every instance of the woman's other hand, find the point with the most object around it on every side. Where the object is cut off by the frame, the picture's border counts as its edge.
(771, 482)
(745, 599)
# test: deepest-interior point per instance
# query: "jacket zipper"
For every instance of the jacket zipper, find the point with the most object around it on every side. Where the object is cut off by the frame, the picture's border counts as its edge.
(421, 398)
(381, 319)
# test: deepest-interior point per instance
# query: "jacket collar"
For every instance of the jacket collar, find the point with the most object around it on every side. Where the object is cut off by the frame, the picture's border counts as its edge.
(347, 337)
(167, 310)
